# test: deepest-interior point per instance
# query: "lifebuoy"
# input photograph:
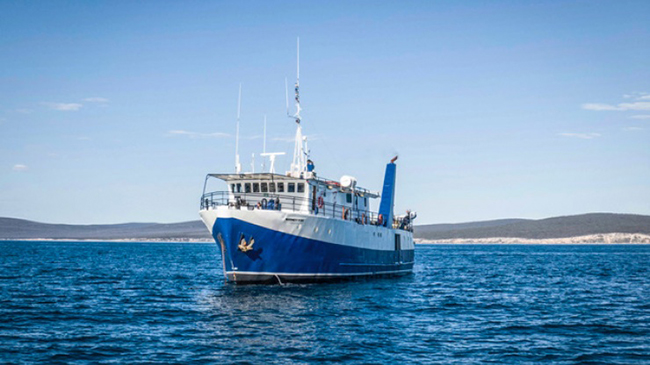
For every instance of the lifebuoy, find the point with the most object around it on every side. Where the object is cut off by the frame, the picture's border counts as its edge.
(380, 220)
(321, 202)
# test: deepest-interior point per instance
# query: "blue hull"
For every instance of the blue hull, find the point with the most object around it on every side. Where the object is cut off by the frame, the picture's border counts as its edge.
(279, 257)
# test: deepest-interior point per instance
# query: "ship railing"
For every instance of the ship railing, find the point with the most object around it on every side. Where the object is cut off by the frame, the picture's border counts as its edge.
(290, 203)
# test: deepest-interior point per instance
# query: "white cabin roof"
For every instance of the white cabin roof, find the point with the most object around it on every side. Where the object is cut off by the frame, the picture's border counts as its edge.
(251, 176)
(278, 177)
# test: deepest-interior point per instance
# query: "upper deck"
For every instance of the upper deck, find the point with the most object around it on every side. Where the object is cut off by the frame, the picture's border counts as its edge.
(309, 195)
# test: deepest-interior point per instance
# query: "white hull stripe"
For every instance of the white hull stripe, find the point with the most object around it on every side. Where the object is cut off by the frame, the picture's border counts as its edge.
(317, 228)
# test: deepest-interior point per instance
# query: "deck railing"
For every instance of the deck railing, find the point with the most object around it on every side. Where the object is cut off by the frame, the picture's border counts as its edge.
(291, 203)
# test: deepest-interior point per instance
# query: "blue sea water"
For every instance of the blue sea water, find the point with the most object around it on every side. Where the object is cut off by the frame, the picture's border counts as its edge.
(94, 302)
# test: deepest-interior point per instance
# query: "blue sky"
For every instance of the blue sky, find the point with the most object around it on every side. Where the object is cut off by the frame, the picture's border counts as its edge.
(115, 111)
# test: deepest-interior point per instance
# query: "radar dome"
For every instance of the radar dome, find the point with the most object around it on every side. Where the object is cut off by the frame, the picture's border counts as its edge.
(348, 181)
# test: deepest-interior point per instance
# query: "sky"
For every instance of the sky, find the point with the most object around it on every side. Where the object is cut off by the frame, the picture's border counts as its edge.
(114, 111)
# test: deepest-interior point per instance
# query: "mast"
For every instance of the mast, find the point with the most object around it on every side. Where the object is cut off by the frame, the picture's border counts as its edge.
(264, 145)
(299, 159)
(237, 164)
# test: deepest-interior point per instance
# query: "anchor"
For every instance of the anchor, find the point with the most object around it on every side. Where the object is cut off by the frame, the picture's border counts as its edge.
(245, 247)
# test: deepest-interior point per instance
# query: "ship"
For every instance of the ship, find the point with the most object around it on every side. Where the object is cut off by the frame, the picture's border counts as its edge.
(300, 227)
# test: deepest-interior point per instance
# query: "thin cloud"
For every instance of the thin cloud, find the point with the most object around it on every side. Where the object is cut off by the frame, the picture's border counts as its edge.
(598, 107)
(23, 111)
(640, 101)
(66, 107)
(293, 138)
(642, 116)
(580, 135)
(632, 129)
(638, 105)
(637, 96)
(20, 167)
(283, 139)
(96, 99)
(196, 134)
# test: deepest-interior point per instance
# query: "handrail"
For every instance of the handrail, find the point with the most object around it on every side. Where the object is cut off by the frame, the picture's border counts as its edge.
(252, 201)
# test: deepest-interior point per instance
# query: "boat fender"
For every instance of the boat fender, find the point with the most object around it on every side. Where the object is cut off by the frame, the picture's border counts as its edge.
(264, 203)
(346, 214)
(363, 218)
(321, 202)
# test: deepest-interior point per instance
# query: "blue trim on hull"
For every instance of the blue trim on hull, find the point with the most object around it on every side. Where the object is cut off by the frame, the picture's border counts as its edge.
(277, 256)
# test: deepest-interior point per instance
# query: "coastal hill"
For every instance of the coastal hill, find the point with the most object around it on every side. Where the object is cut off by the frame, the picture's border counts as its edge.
(593, 226)
(584, 225)
(11, 228)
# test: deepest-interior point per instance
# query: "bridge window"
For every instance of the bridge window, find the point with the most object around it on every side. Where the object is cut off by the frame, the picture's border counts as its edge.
(256, 187)
(247, 186)
(272, 187)
(291, 187)
(232, 187)
(301, 187)
(239, 188)
(348, 198)
(280, 187)
(265, 188)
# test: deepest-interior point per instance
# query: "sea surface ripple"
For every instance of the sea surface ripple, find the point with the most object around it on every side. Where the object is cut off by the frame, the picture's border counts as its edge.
(98, 302)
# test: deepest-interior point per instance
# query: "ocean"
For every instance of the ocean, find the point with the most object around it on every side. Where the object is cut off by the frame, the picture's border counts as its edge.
(143, 302)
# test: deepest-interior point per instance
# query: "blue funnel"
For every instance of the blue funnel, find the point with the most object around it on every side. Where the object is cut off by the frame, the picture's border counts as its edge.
(388, 195)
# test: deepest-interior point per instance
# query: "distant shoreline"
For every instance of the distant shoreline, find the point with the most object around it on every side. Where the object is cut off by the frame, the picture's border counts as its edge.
(594, 239)
(179, 240)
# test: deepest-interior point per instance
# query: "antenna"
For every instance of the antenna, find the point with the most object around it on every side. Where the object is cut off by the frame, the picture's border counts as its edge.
(237, 164)
(298, 165)
(298, 109)
(264, 145)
